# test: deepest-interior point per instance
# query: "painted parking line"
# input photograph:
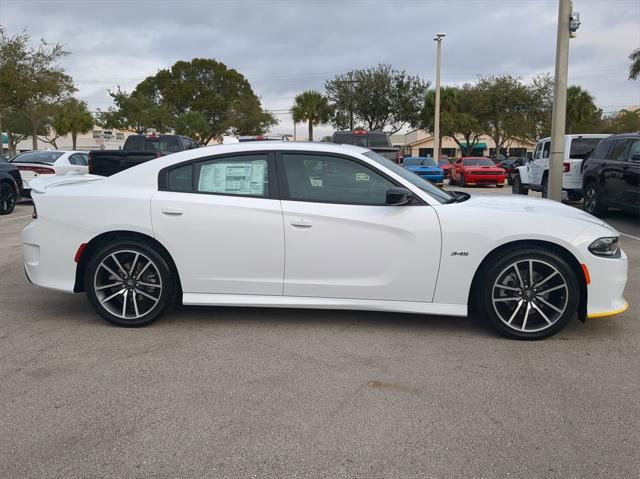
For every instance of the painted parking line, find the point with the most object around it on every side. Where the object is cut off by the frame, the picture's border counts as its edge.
(16, 218)
(629, 236)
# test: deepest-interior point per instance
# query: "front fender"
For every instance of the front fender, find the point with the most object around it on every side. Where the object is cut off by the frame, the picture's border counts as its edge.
(523, 172)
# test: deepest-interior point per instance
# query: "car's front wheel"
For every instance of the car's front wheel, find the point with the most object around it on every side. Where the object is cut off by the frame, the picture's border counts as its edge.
(8, 198)
(528, 293)
(130, 283)
(517, 187)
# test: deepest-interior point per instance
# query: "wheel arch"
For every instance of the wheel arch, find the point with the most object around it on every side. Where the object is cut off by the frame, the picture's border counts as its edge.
(109, 236)
(556, 248)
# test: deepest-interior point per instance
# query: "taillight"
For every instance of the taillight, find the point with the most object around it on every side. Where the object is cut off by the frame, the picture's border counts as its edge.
(567, 167)
(359, 132)
(38, 169)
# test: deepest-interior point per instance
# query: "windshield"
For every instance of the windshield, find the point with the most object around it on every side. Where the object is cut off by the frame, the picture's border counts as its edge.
(582, 148)
(478, 162)
(37, 157)
(366, 140)
(436, 193)
(429, 162)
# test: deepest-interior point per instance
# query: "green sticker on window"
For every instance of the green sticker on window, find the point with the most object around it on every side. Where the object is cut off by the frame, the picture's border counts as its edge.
(362, 177)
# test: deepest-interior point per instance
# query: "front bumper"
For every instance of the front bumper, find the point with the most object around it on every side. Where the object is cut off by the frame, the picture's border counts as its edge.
(485, 179)
(608, 280)
(437, 179)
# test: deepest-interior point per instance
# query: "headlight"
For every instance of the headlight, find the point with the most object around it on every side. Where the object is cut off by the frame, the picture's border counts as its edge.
(605, 247)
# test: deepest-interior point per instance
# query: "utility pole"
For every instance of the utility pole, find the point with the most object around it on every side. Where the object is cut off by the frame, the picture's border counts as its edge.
(436, 120)
(567, 25)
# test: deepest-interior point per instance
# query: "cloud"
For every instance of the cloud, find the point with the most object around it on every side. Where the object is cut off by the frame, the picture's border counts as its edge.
(284, 46)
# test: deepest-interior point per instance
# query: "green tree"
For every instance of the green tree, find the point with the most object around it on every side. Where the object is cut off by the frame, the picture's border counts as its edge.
(504, 102)
(71, 118)
(380, 98)
(136, 112)
(634, 68)
(583, 116)
(457, 116)
(220, 95)
(624, 121)
(312, 107)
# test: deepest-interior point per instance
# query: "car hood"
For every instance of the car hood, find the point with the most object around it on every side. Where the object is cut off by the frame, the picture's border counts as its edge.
(531, 206)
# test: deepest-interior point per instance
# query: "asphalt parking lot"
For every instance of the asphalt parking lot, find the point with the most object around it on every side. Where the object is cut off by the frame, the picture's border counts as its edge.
(221, 392)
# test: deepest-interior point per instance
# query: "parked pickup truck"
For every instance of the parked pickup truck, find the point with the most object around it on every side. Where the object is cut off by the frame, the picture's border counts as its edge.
(534, 175)
(377, 141)
(137, 149)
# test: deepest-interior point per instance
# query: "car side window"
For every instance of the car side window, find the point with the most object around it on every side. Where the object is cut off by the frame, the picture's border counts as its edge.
(246, 175)
(634, 150)
(600, 153)
(536, 153)
(180, 178)
(620, 150)
(331, 179)
(546, 149)
(76, 159)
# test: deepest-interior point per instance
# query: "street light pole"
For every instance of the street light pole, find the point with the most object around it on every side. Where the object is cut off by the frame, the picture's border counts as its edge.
(559, 113)
(436, 120)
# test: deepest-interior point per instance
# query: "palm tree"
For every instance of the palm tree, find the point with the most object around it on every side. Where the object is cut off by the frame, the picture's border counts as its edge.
(583, 116)
(312, 107)
(634, 69)
(73, 117)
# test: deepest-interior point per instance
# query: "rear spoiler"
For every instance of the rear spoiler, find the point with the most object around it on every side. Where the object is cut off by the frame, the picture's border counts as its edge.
(41, 185)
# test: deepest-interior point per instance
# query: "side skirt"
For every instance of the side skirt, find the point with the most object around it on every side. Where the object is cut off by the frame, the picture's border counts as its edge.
(203, 299)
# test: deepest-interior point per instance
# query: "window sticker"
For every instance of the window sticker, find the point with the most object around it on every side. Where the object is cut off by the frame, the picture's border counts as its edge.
(237, 178)
(362, 177)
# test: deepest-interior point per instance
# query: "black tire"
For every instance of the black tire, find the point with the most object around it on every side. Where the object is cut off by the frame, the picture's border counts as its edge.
(463, 182)
(574, 195)
(157, 275)
(451, 180)
(593, 203)
(499, 267)
(8, 198)
(517, 187)
(500, 186)
(545, 187)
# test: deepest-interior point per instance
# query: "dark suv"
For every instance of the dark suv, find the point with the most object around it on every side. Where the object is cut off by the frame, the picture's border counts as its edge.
(10, 186)
(377, 141)
(611, 175)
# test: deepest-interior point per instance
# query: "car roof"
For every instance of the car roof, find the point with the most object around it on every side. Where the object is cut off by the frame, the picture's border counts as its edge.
(580, 135)
(625, 135)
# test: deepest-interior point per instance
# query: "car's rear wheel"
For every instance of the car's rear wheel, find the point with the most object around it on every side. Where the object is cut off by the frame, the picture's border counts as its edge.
(574, 195)
(545, 187)
(592, 200)
(528, 293)
(130, 283)
(517, 187)
(463, 182)
(8, 198)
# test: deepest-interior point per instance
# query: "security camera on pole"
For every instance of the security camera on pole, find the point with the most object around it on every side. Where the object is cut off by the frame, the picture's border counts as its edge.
(436, 120)
(568, 24)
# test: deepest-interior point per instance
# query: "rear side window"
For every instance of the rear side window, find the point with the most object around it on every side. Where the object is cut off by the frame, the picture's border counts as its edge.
(241, 175)
(546, 149)
(134, 142)
(620, 150)
(600, 153)
(180, 178)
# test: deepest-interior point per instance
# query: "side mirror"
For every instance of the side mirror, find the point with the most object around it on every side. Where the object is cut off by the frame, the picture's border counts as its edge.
(397, 196)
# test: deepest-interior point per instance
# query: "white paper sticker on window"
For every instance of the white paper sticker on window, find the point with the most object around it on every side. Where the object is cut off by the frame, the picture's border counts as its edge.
(236, 178)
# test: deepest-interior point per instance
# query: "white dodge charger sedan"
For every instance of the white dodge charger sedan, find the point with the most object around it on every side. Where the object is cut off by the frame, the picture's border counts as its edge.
(304, 225)
(46, 163)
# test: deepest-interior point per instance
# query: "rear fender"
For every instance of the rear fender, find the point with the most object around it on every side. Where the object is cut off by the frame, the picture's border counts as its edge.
(523, 172)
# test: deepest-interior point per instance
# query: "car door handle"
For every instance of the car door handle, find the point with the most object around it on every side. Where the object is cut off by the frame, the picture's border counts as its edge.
(301, 223)
(171, 211)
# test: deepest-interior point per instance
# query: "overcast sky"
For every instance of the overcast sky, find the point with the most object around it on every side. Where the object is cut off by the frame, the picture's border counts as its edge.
(286, 46)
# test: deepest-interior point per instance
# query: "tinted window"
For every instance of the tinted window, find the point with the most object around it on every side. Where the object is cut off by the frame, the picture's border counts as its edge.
(620, 150)
(634, 151)
(429, 162)
(134, 142)
(180, 178)
(366, 140)
(241, 175)
(435, 192)
(412, 161)
(602, 149)
(536, 153)
(582, 148)
(333, 180)
(38, 157)
(478, 162)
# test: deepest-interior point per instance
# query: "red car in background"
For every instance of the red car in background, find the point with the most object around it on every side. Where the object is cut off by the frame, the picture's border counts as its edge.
(472, 171)
(445, 165)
